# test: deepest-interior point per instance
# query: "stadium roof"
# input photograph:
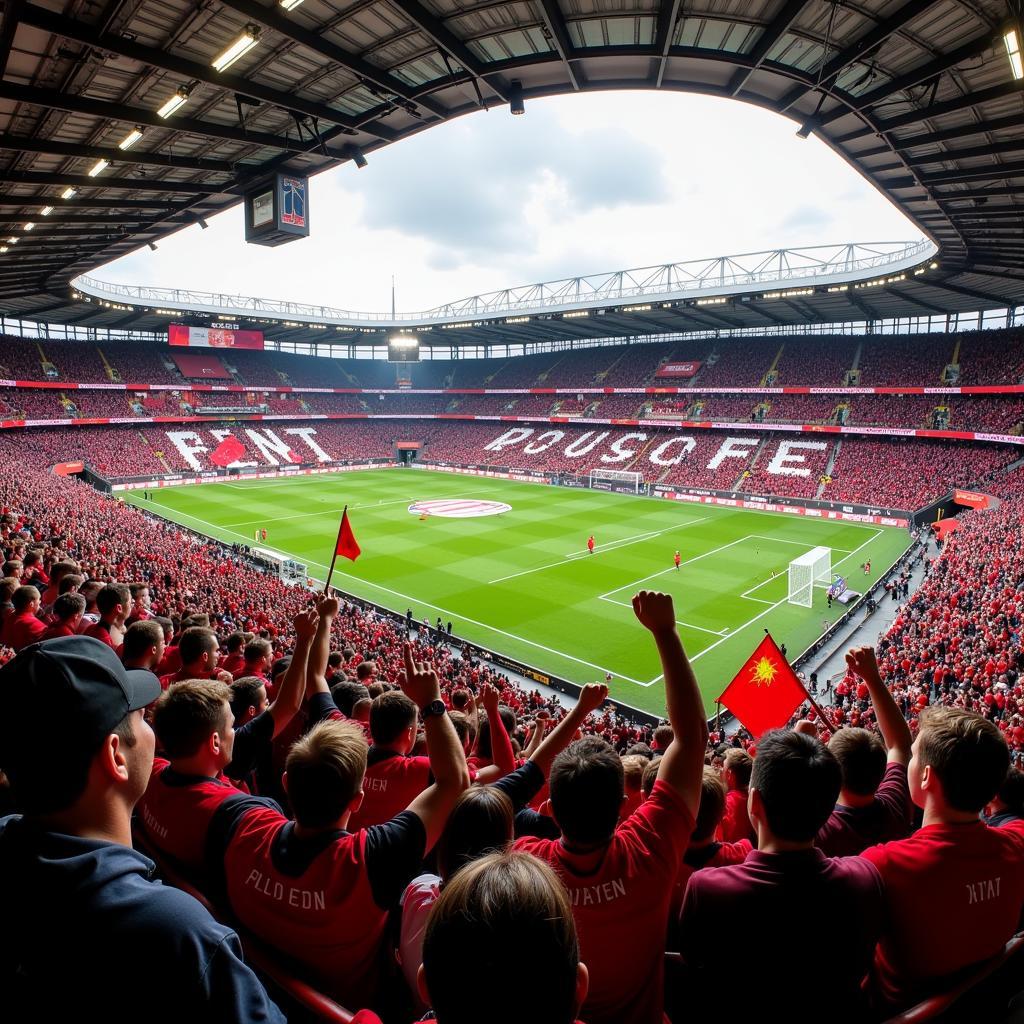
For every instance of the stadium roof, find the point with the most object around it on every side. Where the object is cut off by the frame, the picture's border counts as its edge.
(919, 96)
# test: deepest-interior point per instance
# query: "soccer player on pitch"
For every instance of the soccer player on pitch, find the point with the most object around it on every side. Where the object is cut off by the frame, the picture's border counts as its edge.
(590, 543)
(677, 560)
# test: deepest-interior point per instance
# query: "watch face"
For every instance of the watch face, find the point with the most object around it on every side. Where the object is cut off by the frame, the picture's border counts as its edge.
(435, 707)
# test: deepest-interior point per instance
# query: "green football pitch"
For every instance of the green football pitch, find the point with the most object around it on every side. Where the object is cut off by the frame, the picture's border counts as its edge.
(523, 582)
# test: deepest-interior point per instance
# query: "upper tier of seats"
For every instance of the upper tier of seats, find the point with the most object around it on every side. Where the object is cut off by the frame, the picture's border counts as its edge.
(983, 357)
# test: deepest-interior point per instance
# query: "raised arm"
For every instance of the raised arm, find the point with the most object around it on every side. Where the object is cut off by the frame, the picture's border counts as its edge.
(447, 761)
(501, 745)
(683, 763)
(541, 721)
(891, 723)
(289, 696)
(591, 697)
(320, 650)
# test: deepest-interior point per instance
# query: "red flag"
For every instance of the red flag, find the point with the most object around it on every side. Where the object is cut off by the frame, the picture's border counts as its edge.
(293, 455)
(228, 451)
(347, 546)
(766, 691)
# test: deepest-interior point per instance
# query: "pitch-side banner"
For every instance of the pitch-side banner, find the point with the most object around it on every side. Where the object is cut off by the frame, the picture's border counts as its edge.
(212, 337)
(678, 369)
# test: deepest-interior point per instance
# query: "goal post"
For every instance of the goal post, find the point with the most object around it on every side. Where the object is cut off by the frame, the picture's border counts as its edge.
(810, 570)
(621, 479)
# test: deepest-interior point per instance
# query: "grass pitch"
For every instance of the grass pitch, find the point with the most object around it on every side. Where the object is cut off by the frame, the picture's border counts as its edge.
(523, 582)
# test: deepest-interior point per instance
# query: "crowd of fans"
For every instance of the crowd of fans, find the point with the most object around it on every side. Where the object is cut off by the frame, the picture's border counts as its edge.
(410, 830)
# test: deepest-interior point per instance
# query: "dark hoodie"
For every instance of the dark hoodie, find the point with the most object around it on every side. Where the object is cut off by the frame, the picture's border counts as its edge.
(86, 933)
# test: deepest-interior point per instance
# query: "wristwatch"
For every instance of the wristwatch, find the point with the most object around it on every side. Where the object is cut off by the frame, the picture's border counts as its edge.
(435, 707)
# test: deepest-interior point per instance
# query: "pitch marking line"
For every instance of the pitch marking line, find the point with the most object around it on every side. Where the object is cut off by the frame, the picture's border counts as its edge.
(761, 615)
(610, 546)
(420, 601)
(322, 512)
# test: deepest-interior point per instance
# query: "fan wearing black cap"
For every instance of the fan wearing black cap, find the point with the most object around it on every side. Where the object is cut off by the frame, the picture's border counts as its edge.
(85, 928)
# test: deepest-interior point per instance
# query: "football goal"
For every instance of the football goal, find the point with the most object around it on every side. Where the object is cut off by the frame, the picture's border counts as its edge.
(810, 570)
(621, 478)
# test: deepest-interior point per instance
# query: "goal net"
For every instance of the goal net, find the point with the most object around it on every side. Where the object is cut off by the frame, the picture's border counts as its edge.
(810, 570)
(621, 478)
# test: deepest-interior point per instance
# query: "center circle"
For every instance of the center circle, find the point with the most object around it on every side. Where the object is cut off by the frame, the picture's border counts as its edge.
(459, 508)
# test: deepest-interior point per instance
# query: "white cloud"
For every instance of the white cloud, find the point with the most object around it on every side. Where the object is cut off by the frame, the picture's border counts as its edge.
(582, 184)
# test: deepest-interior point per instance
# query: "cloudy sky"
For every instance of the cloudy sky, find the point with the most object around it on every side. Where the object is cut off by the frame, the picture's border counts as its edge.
(580, 185)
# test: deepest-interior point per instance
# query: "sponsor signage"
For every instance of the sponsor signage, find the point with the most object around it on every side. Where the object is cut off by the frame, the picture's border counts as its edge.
(688, 369)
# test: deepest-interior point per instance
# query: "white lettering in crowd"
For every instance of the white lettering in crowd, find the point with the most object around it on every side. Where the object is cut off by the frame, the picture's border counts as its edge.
(152, 822)
(306, 435)
(623, 454)
(535, 447)
(592, 895)
(514, 436)
(219, 436)
(189, 443)
(659, 456)
(734, 448)
(302, 899)
(375, 785)
(785, 455)
(986, 889)
(268, 444)
(579, 447)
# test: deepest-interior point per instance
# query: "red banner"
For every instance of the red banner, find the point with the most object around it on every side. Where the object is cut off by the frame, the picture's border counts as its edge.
(971, 499)
(678, 370)
(213, 337)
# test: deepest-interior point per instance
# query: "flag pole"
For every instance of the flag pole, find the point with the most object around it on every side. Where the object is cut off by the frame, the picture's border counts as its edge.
(718, 719)
(334, 557)
(821, 714)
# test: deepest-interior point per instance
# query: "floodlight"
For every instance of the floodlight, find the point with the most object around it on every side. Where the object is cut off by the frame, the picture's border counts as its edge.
(1012, 39)
(357, 156)
(290, 5)
(29, 225)
(515, 99)
(179, 99)
(46, 211)
(238, 49)
(68, 192)
(98, 168)
(131, 138)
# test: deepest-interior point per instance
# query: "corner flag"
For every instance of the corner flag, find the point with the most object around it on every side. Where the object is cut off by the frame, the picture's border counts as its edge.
(766, 690)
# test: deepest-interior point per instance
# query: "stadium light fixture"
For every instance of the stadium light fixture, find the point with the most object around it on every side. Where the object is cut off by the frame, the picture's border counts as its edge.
(357, 156)
(69, 193)
(515, 99)
(29, 225)
(1012, 40)
(98, 168)
(403, 341)
(290, 5)
(152, 245)
(46, 211)
(179, 99)
(131, 138)
(13, 240)
(3, 248)
(238, 49)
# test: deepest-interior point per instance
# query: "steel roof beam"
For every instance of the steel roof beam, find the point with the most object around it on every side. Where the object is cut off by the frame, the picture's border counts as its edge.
(770, 35)
(83, 203)
(57, 217)
(951, 106)
(52, 147)
(668, 15)
(54, 99)
(997, 172)
(971, 293)
(922, 73)
(963, 131)
(855, 51)
(907, 297)
(360, 68)
(129, 184)
(432, 27)
(973, 153)
(559, 32)
(71, 28)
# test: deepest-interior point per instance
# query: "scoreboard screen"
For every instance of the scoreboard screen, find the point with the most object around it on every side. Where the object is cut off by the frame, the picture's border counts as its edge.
(403, 348)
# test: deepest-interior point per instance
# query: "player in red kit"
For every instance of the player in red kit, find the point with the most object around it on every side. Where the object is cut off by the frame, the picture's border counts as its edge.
(590, 543)
(677, 559)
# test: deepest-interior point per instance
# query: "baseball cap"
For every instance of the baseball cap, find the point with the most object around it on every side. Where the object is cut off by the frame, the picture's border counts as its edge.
(77, 687)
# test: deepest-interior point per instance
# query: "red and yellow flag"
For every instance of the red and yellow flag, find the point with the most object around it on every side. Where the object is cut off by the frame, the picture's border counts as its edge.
(347, 546)
(766, 691)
